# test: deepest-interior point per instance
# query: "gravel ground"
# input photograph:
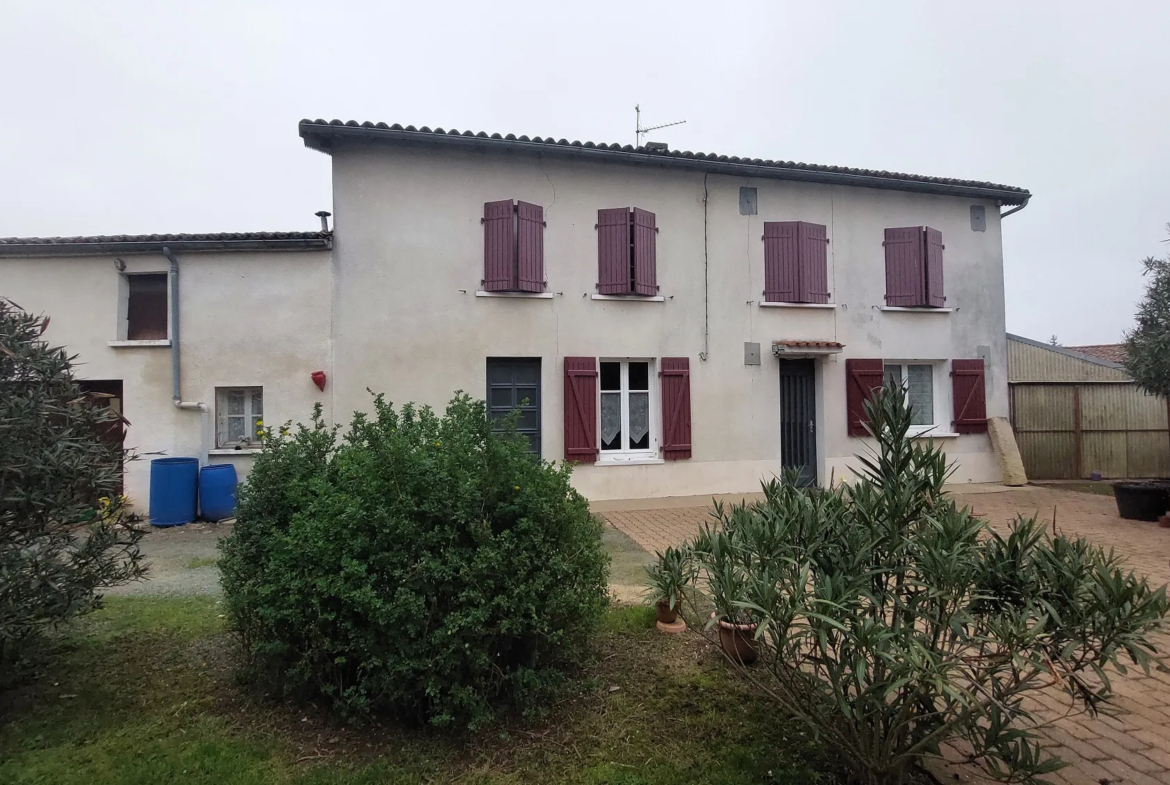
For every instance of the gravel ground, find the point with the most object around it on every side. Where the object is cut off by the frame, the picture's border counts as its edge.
(181, 561)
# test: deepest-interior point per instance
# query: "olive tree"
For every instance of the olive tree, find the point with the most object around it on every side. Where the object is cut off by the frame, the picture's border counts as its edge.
(64, 531)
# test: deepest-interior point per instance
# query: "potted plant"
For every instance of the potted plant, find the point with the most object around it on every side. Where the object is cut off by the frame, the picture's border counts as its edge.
(1142, 500)
(727, 583)
(666, 583)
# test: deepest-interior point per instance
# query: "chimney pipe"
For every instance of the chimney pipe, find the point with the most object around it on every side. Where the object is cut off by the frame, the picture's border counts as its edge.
(324, 216)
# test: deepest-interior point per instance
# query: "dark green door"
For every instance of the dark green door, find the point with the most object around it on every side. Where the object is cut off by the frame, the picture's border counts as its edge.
(514, 383)
(798, 419)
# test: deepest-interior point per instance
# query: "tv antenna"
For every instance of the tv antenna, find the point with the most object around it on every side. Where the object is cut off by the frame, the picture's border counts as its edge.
(640, 131)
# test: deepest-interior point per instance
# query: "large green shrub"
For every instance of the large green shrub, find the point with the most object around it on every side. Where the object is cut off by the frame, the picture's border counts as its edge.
(894, 622)
(64, 531)
(423, 566)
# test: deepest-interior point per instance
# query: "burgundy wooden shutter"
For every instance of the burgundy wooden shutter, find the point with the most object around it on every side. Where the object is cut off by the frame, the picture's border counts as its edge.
(905, 267)
(813, 264)
(970, 394)
(499, 247)
(645, 254)
(781, 261)
(581, 409)
(863, 378)
(529, 247)
(613, 251)
(934, 268)
(676, 408)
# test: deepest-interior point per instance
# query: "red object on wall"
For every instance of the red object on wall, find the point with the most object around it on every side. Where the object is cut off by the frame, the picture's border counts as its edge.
(319, 379)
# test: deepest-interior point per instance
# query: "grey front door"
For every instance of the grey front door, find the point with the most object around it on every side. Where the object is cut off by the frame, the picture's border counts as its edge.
(514, 383)
(798, 419)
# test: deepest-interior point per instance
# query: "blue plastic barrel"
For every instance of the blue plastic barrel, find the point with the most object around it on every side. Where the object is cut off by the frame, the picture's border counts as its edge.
(217, 491)
(173, 484)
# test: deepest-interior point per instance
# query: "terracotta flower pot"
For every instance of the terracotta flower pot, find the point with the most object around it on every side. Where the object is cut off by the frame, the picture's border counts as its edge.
(738, 640)
(664, 613)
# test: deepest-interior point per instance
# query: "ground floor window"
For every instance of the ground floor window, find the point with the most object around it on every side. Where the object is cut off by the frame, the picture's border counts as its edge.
(917, 380)
(239, 416)
(514, 383)
(626, 409)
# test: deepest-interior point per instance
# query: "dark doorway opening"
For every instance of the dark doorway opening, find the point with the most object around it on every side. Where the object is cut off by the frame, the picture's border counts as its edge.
(107, 394)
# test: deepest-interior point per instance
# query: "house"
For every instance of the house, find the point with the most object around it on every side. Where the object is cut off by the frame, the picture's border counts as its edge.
(673, 323)
(1113, 352)
(1077, 413)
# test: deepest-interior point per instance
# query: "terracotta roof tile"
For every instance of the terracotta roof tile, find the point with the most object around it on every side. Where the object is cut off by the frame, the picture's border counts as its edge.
(319, 134)
(153, 243)
(1113, 352)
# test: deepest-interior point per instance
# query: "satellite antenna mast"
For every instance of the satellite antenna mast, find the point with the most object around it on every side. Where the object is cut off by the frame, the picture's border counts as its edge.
(639, 131)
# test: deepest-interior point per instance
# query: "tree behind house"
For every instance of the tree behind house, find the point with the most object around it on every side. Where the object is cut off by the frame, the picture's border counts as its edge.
(1147, 347)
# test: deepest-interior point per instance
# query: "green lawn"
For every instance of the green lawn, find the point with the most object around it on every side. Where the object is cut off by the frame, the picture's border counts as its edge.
(143, 693)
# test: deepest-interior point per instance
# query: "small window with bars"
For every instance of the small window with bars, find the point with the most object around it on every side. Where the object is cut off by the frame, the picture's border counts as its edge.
(239, 414)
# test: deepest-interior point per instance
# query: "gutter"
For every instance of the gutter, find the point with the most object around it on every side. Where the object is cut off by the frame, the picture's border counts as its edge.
(176, 358)
(1021, 206)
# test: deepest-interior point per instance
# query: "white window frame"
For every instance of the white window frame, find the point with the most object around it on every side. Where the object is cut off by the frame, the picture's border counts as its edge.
(937, 393)
(251, 440)
(651, 453)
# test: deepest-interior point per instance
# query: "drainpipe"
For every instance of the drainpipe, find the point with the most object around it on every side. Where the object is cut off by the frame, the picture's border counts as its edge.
(176, 395)
(1016, 209)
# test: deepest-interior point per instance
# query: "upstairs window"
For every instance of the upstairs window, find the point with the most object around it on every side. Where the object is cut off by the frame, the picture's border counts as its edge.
(239, 416)
(796, 263)
(914, 267)
(146, 307)
(513, 247)
(626, 252)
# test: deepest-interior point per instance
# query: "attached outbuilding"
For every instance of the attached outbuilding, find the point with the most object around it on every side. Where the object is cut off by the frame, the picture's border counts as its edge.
(1076, 412)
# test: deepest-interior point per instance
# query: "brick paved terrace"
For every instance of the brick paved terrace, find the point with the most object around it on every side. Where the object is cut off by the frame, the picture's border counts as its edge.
(1130, 749)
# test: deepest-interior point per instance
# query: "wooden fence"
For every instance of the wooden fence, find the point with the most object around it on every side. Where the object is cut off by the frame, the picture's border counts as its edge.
(1068, 430)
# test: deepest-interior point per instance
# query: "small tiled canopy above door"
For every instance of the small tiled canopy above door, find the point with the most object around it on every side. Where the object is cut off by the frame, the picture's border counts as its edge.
(805, 348)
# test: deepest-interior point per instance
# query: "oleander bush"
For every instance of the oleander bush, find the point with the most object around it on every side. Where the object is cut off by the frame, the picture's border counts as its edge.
(65, 530)
(894, 622)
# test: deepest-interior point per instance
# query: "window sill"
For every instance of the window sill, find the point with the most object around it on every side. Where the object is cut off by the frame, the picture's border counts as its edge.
(824, 306)
(628, 462)
(934, 435)
(518, 295)
(162, 342)
(234, 451)
(915, 309)
(629, 298)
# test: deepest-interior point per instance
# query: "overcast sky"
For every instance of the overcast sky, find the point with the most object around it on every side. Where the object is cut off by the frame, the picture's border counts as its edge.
(159, 117)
